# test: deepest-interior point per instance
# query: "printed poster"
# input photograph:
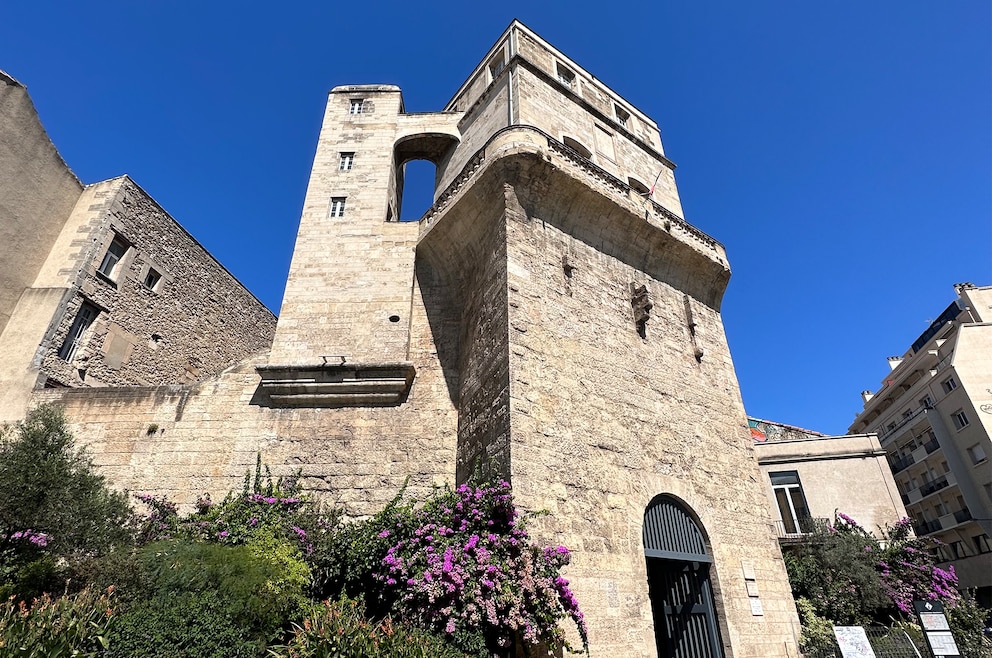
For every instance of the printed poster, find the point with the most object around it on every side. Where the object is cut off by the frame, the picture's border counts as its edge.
(853, 642)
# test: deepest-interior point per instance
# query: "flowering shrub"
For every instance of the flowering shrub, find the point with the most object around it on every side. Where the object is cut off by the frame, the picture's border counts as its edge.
(847, 576)
(464, 566)
(259, 511)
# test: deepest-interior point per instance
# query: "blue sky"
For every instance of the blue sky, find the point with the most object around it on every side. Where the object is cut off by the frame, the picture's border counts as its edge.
(841, 151)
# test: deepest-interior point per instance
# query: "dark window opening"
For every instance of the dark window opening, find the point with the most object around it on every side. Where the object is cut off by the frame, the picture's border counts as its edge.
(151, 279)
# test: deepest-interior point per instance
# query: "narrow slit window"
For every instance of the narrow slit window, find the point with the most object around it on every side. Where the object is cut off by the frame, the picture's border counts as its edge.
(337, 206)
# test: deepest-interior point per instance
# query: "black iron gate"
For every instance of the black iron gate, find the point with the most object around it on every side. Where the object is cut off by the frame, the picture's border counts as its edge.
(685, 624)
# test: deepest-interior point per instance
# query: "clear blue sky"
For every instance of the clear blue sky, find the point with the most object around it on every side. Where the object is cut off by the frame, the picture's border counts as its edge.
(842, 151)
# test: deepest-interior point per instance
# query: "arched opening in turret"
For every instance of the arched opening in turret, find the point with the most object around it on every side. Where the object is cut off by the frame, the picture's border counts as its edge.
(417, 158)
(415, 182)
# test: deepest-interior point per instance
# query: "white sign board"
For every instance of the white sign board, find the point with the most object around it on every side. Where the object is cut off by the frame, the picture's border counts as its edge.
(943, 644)
(853, 642)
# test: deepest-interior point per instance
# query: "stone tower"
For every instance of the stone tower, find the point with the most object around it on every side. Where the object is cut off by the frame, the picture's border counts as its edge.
(552, 320)
(574, 318)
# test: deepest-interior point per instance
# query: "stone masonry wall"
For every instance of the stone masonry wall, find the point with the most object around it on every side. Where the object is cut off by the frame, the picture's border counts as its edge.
(194, 322)
(603, 420)
(183, 441)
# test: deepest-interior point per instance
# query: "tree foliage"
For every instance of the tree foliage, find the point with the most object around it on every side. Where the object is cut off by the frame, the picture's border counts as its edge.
(56, 508)
(847, 576)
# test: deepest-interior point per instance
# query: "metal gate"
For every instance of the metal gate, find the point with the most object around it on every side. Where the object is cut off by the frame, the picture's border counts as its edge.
(678, 565)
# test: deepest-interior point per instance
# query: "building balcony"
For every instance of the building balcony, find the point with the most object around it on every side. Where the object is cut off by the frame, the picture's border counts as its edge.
(931, 446)
(927, 527)
(933, 486)
(962, 515)
(791, 530)
(902, 463)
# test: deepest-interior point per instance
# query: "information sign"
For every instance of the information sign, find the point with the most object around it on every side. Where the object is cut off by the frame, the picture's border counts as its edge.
(853, 642)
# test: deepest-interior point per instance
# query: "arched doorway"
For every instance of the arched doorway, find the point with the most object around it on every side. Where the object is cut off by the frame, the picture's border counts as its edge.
(685, 624)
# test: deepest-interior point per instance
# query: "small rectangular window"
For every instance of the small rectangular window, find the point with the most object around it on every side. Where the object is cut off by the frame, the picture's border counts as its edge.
(623, 116)
(496, 66)
(981, 544)
(116, 251)
(949, 384)
(565, 76)
(960, 419)
(337, 206)
(926, 402)
(347, 162)
(78, 331)
(356, 106)
(151, 279)
(977, 454)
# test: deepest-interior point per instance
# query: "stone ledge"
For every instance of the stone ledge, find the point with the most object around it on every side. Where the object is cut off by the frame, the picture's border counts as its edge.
(337, 385)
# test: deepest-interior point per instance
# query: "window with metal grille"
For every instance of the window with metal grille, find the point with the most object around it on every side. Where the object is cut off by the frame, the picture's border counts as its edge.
(337, 206)
(347, 162)
(356, 106)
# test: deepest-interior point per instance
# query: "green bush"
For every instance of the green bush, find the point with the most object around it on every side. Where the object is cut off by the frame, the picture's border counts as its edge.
(340, 629)
(260, 585)
(77, 625)
(182, 625)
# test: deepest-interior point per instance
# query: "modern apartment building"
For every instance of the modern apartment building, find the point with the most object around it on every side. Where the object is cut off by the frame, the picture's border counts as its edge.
(933, 416)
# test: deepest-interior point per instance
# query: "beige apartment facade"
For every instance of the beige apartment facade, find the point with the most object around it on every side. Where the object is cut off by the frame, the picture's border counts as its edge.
(551, 320)
(933, 416)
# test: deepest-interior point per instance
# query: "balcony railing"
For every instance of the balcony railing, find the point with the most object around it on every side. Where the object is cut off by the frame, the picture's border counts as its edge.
(932, 486)
(902, 463)
(797, 529)
(962, 515)
(931, 446)
(927, 527)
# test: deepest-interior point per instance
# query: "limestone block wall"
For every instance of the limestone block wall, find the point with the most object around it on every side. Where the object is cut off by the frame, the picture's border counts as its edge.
(183, 441)
(603, 420)
(195, 319)
(562, 114)
(350, 282)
